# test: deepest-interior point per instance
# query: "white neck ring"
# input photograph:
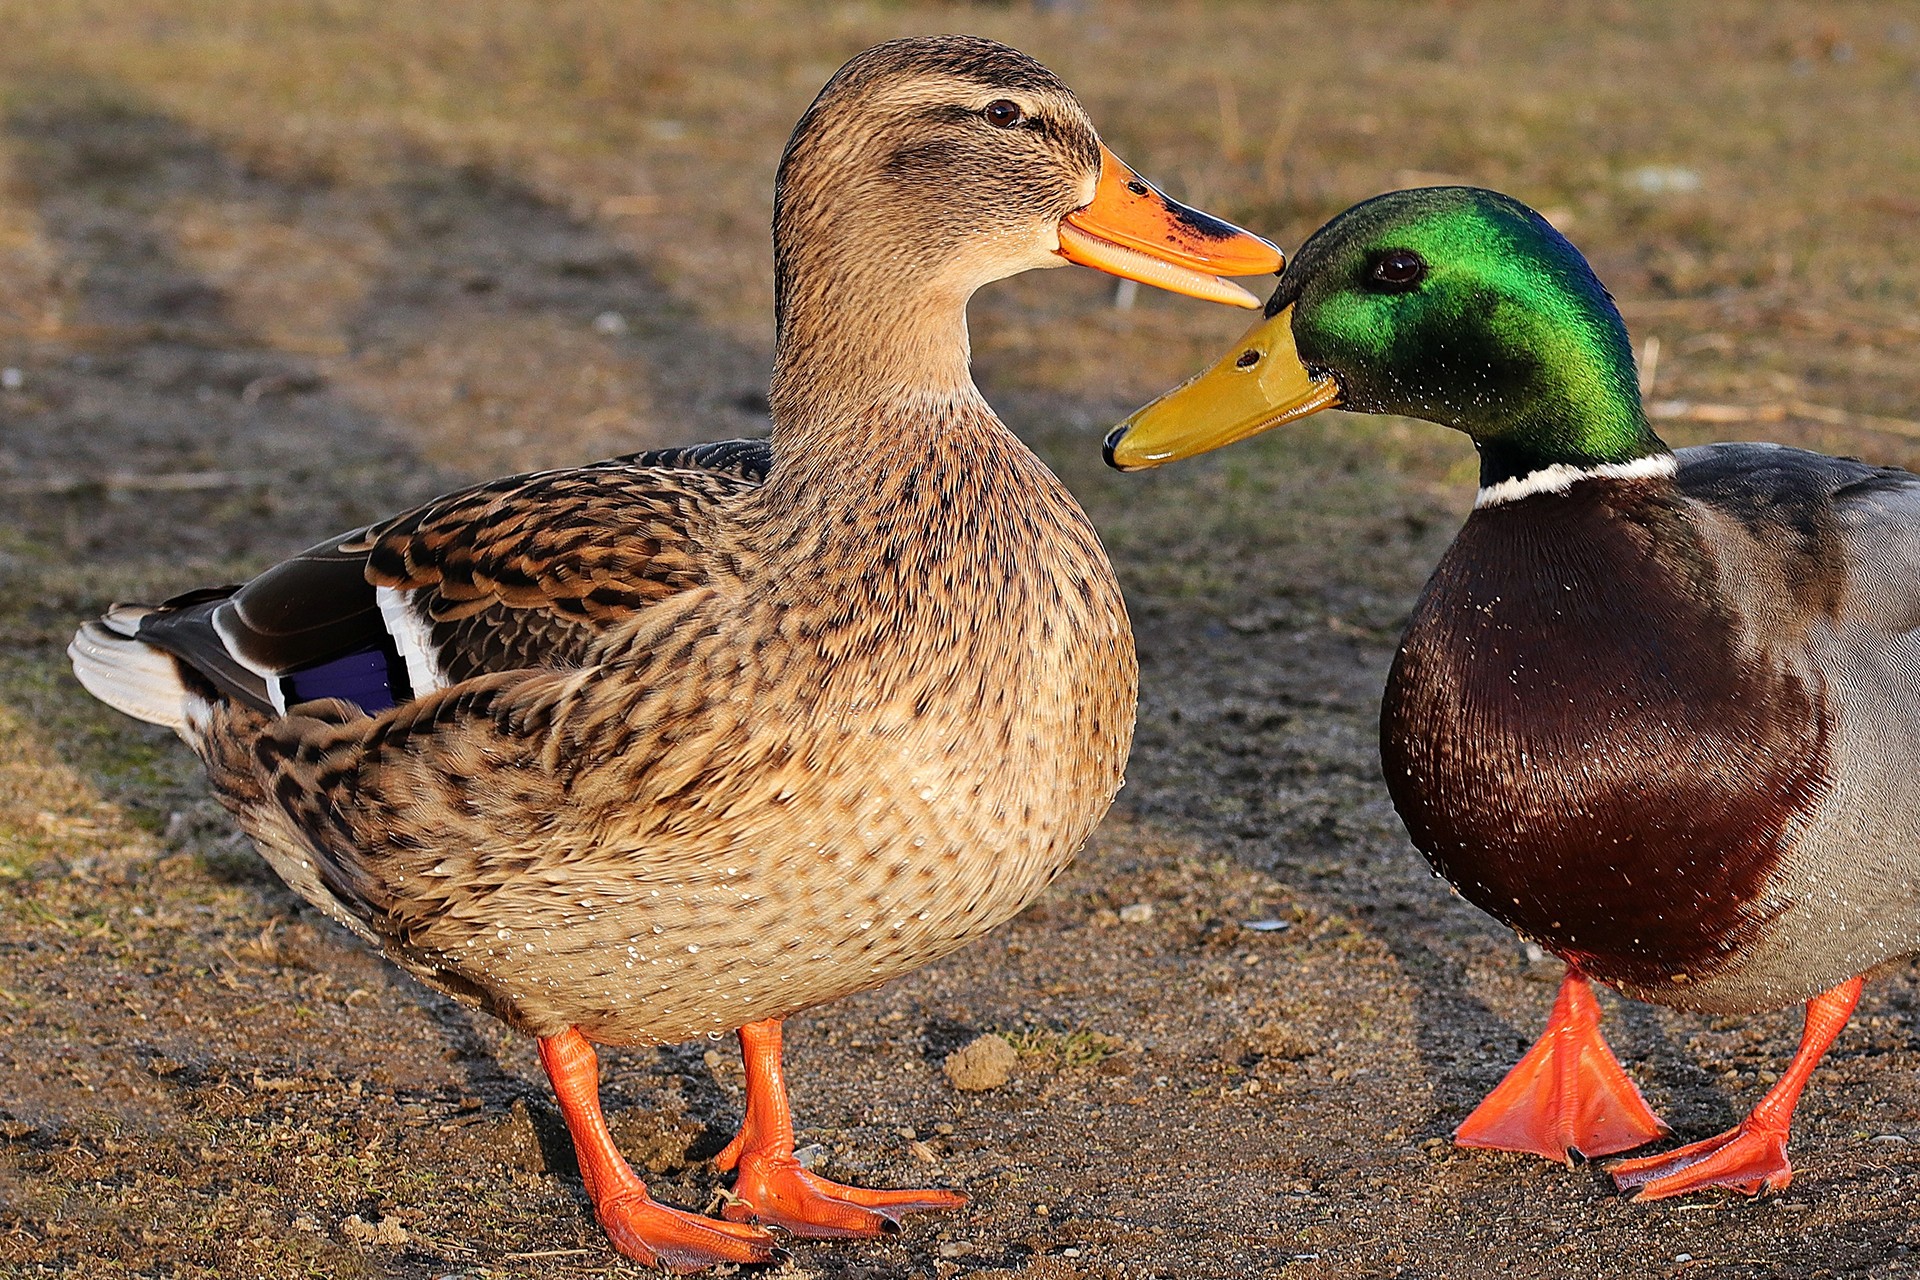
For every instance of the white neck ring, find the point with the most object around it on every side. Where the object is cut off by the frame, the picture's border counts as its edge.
(1561, 477)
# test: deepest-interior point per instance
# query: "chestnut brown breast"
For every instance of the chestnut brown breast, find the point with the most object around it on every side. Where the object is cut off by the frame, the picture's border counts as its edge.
(1579, 739)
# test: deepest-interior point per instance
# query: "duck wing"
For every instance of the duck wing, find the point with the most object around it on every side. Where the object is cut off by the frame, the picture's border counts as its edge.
(1823, 569)
(1842, 536)
(523, 572)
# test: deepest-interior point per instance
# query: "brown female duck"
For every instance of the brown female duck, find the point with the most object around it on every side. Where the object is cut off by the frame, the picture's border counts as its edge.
(693, 740)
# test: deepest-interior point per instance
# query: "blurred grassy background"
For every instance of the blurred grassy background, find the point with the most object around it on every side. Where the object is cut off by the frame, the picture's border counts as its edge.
(1728, 166)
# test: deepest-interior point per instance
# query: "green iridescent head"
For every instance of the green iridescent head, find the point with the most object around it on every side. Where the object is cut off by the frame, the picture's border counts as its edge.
(1453, 304)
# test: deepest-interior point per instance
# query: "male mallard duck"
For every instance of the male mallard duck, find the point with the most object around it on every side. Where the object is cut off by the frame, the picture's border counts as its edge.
(693, 740)
(1656, 711)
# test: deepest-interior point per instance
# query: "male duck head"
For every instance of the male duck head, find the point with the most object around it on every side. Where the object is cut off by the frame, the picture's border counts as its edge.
(958, 160)
(1453, 304)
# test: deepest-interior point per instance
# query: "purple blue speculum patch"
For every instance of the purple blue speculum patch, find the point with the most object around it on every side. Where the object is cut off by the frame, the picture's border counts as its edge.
(363, 679)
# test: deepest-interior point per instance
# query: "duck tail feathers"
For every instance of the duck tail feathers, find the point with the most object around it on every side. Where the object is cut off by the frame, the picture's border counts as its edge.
(128, 674)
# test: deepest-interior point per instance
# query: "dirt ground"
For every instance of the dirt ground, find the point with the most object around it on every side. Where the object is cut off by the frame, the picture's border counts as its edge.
(270, 269)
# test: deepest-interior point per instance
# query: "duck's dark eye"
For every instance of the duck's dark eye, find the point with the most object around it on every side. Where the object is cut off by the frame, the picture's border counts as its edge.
(1398, 270)
(1002, 114)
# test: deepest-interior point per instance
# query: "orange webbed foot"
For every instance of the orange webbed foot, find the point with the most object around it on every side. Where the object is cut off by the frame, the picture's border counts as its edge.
(1748, 1159)
(772, 1188)
(1751, 1157)
(1568, 1093)
(637, 1224)
(775, 1191)
(652, 1233)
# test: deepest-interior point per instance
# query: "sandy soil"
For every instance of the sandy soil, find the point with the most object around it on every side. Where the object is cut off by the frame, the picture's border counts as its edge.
(268, 274)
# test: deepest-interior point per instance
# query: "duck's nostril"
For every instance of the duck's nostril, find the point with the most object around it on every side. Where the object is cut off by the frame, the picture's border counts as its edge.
(1247, 360)
(1138, 187)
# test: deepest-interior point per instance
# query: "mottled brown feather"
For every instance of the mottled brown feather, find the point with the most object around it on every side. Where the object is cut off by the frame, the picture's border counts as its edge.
(594, 544)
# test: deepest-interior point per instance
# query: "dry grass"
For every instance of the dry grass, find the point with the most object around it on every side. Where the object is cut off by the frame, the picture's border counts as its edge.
(663, 120)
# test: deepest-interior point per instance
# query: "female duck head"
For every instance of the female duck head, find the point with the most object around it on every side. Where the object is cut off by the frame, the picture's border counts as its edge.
(930, 166)
(1453, 304)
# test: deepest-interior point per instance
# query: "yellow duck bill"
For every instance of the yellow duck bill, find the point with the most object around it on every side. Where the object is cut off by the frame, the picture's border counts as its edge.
(1258, 386)
(1131, 230)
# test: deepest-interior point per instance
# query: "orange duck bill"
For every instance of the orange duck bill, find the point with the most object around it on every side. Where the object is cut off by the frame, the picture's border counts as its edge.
(1132, 231)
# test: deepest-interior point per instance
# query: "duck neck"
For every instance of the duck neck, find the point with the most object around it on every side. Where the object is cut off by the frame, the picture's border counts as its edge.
(1556, 452)
(1541, 375)
(851, 342)
(1580, 412)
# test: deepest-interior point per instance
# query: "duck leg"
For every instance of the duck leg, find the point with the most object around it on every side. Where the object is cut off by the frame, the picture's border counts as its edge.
(1567, 1094)
(771, 1188)
(639, 1226)
(1752, 1156)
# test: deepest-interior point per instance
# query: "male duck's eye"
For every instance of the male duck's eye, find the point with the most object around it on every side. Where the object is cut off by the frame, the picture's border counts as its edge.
(1002, 114)
(1399, 270)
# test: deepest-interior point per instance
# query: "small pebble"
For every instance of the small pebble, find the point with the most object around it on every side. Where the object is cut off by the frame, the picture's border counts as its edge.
(1136, 913)
(1268, 926)
(12, 379)
(386, 1231)
(610, 324)
(985, 1063)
